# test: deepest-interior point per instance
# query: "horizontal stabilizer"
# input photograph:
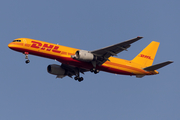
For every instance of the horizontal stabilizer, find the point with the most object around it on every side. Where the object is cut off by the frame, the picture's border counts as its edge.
(157, 66)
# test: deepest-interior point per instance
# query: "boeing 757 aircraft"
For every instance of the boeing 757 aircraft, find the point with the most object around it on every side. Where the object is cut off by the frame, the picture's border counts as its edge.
(76, 61)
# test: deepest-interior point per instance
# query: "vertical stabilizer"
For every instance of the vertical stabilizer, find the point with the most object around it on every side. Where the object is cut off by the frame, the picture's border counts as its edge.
(147, 55)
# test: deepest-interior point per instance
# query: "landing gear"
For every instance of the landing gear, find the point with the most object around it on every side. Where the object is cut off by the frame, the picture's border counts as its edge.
(27, 61)
(26, 57)
(94, 70)
(77, 77)
(94, 67)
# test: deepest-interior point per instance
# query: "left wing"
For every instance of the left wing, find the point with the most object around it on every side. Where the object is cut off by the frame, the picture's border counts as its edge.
(70, 71)
(104, 53)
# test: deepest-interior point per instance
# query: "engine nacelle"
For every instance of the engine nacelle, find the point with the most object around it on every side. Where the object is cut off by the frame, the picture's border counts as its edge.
(56, 70)
(84, 55)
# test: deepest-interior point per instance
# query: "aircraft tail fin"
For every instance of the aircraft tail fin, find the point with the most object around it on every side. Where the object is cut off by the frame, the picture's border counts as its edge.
(147, 55)
(157, 66)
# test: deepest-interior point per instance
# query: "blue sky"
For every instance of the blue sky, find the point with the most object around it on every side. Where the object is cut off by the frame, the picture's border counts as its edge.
(29, 92)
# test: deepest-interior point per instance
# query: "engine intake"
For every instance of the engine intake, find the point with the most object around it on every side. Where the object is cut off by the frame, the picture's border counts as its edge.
(84, 55)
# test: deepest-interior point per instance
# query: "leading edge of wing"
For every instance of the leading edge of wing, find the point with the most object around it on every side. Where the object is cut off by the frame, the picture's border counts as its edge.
(116, 48)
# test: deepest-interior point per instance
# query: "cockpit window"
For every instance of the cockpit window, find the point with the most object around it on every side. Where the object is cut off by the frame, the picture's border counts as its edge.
(16, 40)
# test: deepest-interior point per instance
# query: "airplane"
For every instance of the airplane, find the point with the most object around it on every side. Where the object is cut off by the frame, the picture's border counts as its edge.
(75, 61)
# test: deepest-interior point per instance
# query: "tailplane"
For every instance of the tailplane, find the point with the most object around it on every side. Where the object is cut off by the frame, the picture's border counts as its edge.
(146, 57)
(157, 66)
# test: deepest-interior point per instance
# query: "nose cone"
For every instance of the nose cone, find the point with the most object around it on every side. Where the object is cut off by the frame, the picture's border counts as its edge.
(10, 45)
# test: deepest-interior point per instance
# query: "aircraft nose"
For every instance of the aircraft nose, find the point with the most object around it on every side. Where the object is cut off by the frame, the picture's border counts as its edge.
(10, 45)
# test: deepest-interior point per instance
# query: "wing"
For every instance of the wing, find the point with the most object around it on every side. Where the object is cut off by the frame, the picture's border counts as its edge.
(104, 53)
(70, 71)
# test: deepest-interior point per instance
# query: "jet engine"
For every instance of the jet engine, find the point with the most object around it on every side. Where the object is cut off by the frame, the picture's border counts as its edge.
(84, 55)
(56, 70)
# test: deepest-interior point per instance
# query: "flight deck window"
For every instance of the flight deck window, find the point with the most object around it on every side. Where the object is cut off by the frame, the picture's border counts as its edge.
(16, 40)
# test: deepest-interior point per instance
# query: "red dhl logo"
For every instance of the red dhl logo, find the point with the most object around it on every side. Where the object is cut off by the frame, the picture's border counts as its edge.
(46, 47)
(145, 56)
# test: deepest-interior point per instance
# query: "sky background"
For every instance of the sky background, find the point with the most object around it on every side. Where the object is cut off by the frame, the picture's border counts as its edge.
(28, 92)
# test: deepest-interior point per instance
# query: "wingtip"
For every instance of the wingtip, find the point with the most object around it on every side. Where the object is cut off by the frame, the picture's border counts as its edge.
(140, 37)
(170, 61)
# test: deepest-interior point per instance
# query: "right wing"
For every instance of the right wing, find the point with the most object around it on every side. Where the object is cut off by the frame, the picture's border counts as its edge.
(104, 53)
